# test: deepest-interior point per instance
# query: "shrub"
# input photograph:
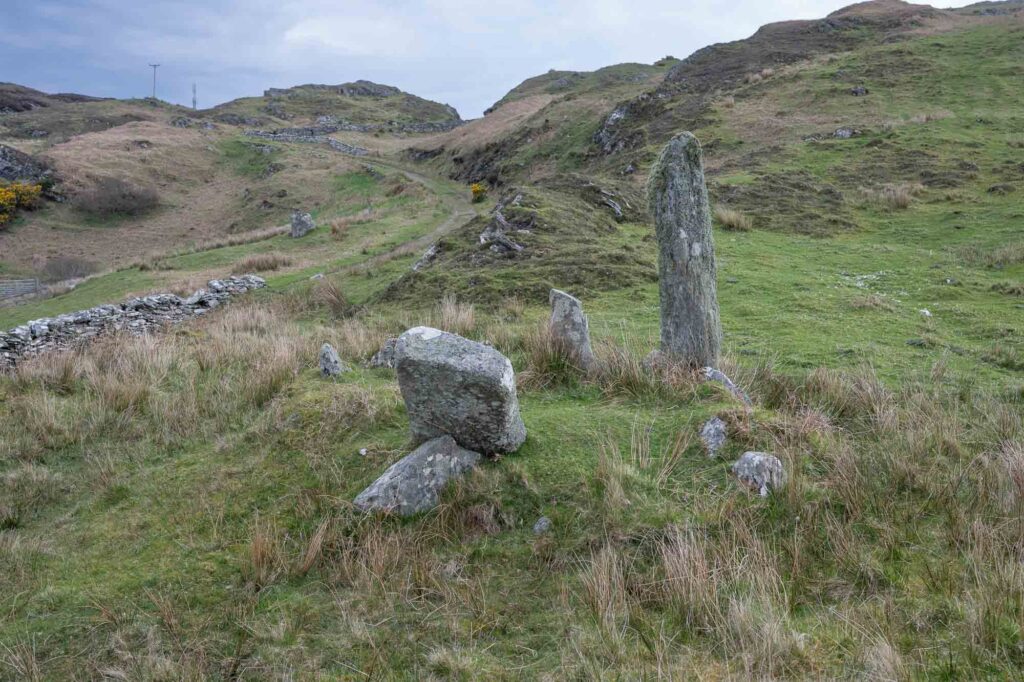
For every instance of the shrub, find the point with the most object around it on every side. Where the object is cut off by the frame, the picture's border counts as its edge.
(731, 219)
(114, 196)
(17, 195)
(479, 192)
(64, 268)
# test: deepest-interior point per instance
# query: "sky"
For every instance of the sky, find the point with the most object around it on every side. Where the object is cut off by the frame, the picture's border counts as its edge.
(467, 54)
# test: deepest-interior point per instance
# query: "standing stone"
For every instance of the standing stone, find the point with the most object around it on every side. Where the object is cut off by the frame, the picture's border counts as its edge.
(458, 387)
(414, 483)
(330, 363)
(570, 329)
(691, 331)
(302, 224)
(760, 472)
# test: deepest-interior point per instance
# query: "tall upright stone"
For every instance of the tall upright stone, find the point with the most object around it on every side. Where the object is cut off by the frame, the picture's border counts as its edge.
(570, 328)
(691, 330)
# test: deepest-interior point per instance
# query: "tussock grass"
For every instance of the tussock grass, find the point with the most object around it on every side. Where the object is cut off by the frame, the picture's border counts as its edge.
(262, 262)
(455, 317)
(731, 219)
(992, 257)
(895, 197)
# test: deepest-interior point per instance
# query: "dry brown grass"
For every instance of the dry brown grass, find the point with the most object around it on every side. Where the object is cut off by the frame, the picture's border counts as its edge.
(992, 257)
(455, 317)
(894, 197)
(340, 226)
(731, 219)
(262, 262)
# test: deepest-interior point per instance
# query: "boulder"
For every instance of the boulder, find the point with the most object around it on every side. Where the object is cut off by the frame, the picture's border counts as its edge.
(330, 364)
(570, 328)
(458, 387)
(760, 472)
(385, 357)
(414, 483)
(302, 224)
(691, 330)
(713, 435)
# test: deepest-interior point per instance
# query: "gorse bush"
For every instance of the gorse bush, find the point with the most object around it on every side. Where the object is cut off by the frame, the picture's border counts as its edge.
(15, 196)
(479, 191)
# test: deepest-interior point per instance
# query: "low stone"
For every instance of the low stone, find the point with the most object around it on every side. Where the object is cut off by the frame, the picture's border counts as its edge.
(302, 224)
(570, 329)
(330, 364)
(458, 387)
(712, 374)
(759, 471)
(414, 483)
(542, 526)
(385, 357)
(859, 91)
(713, 435)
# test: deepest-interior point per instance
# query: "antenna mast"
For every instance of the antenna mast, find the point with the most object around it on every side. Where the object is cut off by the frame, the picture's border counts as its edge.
(154, 79)
(194, 107)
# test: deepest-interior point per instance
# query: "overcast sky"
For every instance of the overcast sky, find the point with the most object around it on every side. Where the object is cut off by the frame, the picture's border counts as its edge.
(467, 54)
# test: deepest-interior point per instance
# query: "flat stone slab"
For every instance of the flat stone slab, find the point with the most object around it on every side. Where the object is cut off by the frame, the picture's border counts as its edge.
(414, 483)
(457, 387)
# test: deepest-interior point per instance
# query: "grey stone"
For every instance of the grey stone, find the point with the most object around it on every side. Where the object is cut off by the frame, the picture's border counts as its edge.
(302, 224)
(428, 257)
(385, 357)
(542, 526)
(691, 330)
(712, 374)
(759, 471)
(414, 483)
(458, 387)
(713, 435)
(570, 329)
(330, 364)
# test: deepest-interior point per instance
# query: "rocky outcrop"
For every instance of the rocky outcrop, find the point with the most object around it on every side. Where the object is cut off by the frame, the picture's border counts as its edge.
(414, 483)
(570, 329)
(691, 331)
(302, 224)
(15, 165)
(759, 471)
(295, 136)
(134, 316)
(457, 387)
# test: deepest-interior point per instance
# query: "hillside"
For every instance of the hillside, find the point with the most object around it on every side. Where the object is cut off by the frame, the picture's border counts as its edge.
(180, 506)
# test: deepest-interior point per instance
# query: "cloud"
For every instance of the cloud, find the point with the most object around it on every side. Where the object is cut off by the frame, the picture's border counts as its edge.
(467, 54)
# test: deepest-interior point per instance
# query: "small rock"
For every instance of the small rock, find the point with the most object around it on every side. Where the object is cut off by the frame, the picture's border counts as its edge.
(302, 224)
(859, 91)
(712, 374)
(317, 276)
(330, 364)
(414, 483)
(363, 452)
(760, 472)
(542, 526)
(385, 357)
(713, 435)
(925, 312)
(845, 133)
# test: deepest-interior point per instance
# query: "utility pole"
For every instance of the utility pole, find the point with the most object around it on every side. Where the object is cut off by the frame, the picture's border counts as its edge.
(194, 107)
(154, 79)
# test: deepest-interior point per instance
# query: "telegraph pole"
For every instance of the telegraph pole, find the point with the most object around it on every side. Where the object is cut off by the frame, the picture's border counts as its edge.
(154, 79)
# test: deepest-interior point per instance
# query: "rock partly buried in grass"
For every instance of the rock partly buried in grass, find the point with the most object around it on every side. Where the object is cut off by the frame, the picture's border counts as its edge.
(570, 329)
(330, 364)
(712, 374)
(414, 483)
(385, 357)
(713, 435)
(458, 387)
(542, 526)
(760, 472)
(691, 330)
(302, 224)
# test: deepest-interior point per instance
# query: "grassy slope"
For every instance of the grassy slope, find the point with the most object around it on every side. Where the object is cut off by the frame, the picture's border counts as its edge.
(162, 529)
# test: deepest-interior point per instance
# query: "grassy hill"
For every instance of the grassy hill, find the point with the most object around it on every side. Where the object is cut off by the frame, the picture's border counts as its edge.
(179, 507)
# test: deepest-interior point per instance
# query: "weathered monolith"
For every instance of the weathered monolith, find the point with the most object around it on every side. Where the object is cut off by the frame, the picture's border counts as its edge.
(691, 331)
(302, 224)
(570, 329)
